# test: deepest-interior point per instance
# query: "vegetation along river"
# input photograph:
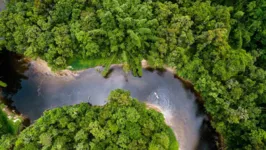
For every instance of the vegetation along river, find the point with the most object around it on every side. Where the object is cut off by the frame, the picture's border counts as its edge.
(40, 90)
(216, 45)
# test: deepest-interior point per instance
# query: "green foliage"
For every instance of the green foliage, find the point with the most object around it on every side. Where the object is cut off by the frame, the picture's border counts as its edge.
(120, 124)
(8, 125)
(249, 26)
(172, 139)
(218, 45)
(4, 124)
(87, 29)
(80, 63)
(2, 84)
(8, 129)
(7, 141)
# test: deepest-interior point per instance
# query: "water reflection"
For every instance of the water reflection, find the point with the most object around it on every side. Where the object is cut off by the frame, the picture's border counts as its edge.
(43, 91)
(12, 69)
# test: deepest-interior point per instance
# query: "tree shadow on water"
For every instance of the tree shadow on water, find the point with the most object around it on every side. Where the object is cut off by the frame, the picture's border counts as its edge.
(208, 137)
(12, 69)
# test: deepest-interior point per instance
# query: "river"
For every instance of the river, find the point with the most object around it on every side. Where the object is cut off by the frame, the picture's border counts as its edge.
(34, 89)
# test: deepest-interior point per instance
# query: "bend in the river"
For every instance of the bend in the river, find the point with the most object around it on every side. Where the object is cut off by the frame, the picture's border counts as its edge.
(41, 90)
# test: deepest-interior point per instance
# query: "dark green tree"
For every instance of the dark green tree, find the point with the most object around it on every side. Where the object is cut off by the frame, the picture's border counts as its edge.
(117, 125)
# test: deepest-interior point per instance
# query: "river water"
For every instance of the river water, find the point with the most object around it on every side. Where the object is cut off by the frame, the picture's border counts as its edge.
(33, 91)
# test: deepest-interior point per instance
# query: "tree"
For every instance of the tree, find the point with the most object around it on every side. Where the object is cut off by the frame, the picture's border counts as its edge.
(116, 125)
(218, 45)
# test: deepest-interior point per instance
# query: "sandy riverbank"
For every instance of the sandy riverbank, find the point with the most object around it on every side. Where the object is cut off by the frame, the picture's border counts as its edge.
(15, 120)
(169, 120)
(42, 67)
(159, 109)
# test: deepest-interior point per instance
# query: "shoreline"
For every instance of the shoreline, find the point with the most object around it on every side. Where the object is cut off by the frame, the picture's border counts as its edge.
(41, 66)
(159, 109)
(13, 115)
(167, 120)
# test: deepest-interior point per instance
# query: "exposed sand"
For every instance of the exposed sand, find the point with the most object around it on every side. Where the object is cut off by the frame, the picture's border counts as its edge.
(177, 118)
(178, 129)
(42, 67)
(145, 65)
(11, 114)
(157, 108)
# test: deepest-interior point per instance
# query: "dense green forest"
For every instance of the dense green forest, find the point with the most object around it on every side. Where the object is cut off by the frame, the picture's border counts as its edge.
(123, 123)
(218, 45)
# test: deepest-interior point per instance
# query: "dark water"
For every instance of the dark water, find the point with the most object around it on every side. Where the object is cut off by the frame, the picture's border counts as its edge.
(33, 92)
(12, 71)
